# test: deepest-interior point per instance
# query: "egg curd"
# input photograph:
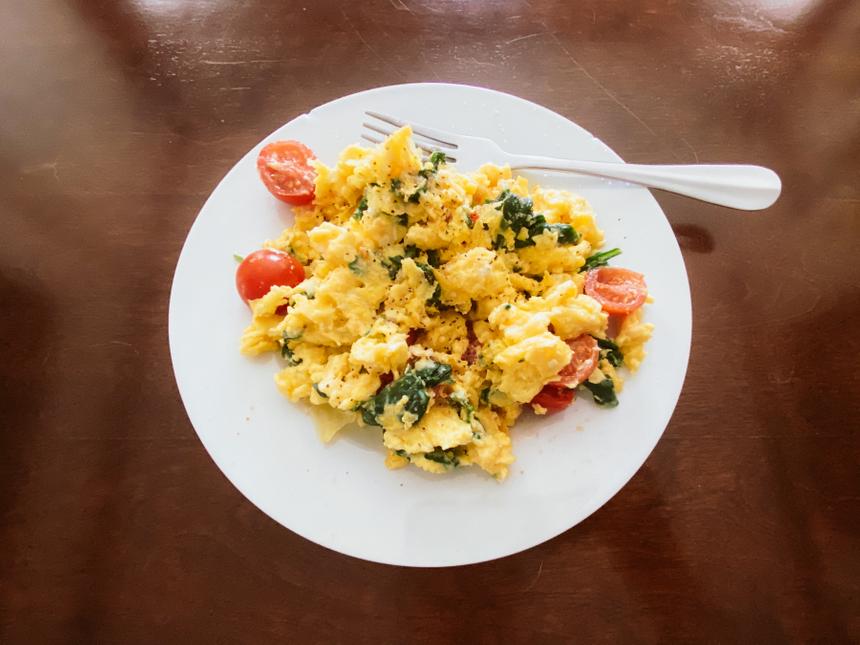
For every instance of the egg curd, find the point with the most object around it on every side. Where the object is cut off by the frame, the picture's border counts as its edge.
(436, 304)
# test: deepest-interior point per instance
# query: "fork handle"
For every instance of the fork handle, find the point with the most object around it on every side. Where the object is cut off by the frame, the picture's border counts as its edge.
(734, 185)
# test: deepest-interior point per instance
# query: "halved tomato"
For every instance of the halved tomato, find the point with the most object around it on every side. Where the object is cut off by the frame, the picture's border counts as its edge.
(265, 268)
(554, 397)
(619, 291)
(582, 362)
(284, 167)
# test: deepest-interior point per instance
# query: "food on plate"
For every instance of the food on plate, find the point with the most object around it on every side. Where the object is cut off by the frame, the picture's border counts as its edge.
(436, 305)
(264, 269)
(286, 170)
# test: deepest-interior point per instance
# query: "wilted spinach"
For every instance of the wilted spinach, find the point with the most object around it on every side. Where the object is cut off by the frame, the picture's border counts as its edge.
(599, 259)
(412, 385)
(465, 409)
(518, 214)
(444, 457)
(603, 392)
(610, 351)
(286, 352)
(359, 211)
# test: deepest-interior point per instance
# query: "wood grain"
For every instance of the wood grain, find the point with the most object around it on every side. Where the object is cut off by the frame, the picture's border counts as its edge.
(118, 118)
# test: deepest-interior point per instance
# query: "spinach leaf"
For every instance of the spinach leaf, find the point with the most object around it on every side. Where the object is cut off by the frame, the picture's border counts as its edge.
(516, 211)
(484, 397)
(566, 233)
(518, 214)
(403, 219)
(286, 352)
(431, 278)
(395, 185)
(603, 392)
(437, 158)
(401, 453)
(359, 211)
(433, 258)
(599, 259)
(609, 350)
(461, 401)
(393, 264)
(412, 385)
(434, 373)
(355, 266)
(444, 457)
(411, 251)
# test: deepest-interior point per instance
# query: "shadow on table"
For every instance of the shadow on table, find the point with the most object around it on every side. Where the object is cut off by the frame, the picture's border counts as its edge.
(26, 319)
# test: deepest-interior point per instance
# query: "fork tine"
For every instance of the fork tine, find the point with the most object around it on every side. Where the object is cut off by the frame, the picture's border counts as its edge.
(426, 147)
(420, 130)
(370, 138)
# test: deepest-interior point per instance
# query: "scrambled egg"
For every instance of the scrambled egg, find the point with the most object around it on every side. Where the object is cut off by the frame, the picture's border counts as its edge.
(435, 304)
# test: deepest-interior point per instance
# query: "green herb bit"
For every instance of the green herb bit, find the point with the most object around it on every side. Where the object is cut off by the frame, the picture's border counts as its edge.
(610, 351)
(437, 158)
(319, 391)
(603, 392)
(393, 265)
(362, 207)
(444, 457)
(287, 353)
(466, 409)
(434, 374)
(238, 257)
(599, 259)
(434, 299)
(355, 266)
(566, 233)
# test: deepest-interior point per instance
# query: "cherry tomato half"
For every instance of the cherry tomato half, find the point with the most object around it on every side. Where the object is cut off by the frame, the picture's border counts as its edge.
(582, 363)
(284, 167)
(554, 397)
(263, 269)
(619, 291)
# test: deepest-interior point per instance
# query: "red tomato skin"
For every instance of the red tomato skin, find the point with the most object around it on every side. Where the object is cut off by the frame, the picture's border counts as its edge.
(554, 397)
(265, 268)
(614, 326)
(582, 363)
(285, 170)
(619, 291)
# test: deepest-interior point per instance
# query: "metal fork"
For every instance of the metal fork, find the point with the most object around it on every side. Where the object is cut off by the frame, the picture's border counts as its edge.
(734, 185)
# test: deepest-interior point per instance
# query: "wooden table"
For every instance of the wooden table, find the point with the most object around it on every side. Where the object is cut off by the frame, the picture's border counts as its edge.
(117, 120)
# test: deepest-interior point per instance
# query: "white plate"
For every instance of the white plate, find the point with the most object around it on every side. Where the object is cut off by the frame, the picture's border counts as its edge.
(341, 495)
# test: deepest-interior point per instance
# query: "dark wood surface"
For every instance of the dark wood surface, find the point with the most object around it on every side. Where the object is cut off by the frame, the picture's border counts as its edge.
(117, 120)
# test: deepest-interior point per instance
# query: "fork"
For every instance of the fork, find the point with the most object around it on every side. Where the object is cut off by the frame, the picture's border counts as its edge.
(734, 185)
